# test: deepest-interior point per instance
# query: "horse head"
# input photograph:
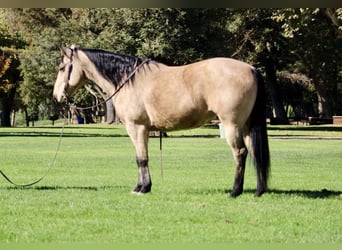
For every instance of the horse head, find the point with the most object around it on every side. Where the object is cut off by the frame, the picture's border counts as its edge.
(70, 74)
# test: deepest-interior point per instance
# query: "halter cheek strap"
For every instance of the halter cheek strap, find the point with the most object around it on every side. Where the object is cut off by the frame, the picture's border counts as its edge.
(69, 74)
(71, 65)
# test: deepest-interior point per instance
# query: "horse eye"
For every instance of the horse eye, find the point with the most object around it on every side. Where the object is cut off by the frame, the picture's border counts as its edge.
(62, 68)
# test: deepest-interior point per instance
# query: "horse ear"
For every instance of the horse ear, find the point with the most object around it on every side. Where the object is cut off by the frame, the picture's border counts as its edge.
(73, 47)
(66, 51)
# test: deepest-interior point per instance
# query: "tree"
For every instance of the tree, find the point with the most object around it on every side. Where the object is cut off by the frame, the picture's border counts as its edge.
(292, 40)
(172, 36)
(9, 74)
(316, 53)
(40, 30)
(274, 40)
(258, 40)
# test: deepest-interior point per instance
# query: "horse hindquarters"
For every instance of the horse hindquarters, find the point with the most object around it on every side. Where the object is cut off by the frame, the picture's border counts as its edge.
(251, 134)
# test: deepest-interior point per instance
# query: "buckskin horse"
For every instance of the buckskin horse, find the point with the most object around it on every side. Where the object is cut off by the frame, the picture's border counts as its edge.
(149, 95)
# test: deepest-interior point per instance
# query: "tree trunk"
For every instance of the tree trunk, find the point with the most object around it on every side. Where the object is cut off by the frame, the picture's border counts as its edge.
(325, 99)
(110, 112)
(108, 107)
(279, 115)
(6, 116)
(7, 105)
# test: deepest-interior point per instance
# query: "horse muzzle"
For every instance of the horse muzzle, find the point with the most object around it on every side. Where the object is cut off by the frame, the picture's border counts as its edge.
(58, 97)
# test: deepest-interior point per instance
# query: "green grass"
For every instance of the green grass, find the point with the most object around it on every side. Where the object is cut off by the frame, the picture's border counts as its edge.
(86, 196)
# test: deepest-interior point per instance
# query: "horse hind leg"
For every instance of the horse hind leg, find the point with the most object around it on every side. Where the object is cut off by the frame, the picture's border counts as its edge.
(235, 140)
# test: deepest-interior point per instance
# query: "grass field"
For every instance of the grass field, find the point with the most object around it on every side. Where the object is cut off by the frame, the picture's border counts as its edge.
(86, 196)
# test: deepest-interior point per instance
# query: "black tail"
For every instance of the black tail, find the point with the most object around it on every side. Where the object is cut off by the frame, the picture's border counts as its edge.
(259, 140)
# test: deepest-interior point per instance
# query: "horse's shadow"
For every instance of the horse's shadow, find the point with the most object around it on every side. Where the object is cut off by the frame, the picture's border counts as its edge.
(311, 194)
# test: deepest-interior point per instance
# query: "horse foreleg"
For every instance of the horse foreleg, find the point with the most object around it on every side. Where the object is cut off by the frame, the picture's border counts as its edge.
(144, 183)
(139, 137)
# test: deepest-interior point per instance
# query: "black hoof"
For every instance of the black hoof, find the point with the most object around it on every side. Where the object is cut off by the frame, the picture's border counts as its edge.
(142, 189)
(235, 193)
(258, 193)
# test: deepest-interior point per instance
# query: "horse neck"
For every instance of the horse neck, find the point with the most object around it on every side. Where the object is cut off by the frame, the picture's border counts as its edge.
(92, 74)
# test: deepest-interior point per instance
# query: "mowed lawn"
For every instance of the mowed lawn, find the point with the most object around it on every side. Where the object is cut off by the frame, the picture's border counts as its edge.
(86, 196)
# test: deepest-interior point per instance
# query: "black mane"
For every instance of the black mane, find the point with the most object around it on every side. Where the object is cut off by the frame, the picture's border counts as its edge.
(114, 67)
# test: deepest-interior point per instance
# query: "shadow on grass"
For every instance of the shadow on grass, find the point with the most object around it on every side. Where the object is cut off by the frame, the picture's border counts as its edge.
(56, 134)
(306, 128)
(80, 188)
(311, 194)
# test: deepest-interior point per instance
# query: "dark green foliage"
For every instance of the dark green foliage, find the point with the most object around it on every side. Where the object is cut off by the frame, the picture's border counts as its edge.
(272, 39)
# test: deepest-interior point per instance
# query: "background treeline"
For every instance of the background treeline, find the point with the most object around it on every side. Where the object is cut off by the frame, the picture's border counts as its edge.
(297, 50)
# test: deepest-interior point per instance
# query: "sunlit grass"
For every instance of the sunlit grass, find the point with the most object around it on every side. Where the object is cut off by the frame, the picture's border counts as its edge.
(86, 196)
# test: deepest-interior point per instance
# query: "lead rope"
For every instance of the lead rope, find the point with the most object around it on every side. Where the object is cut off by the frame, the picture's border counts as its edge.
(161, 154)
(52, 162)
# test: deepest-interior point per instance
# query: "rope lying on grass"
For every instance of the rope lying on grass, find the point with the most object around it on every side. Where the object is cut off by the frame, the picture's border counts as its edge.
(47, 171)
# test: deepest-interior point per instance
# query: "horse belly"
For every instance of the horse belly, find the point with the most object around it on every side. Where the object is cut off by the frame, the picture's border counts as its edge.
(176, 113)
(177, 122)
